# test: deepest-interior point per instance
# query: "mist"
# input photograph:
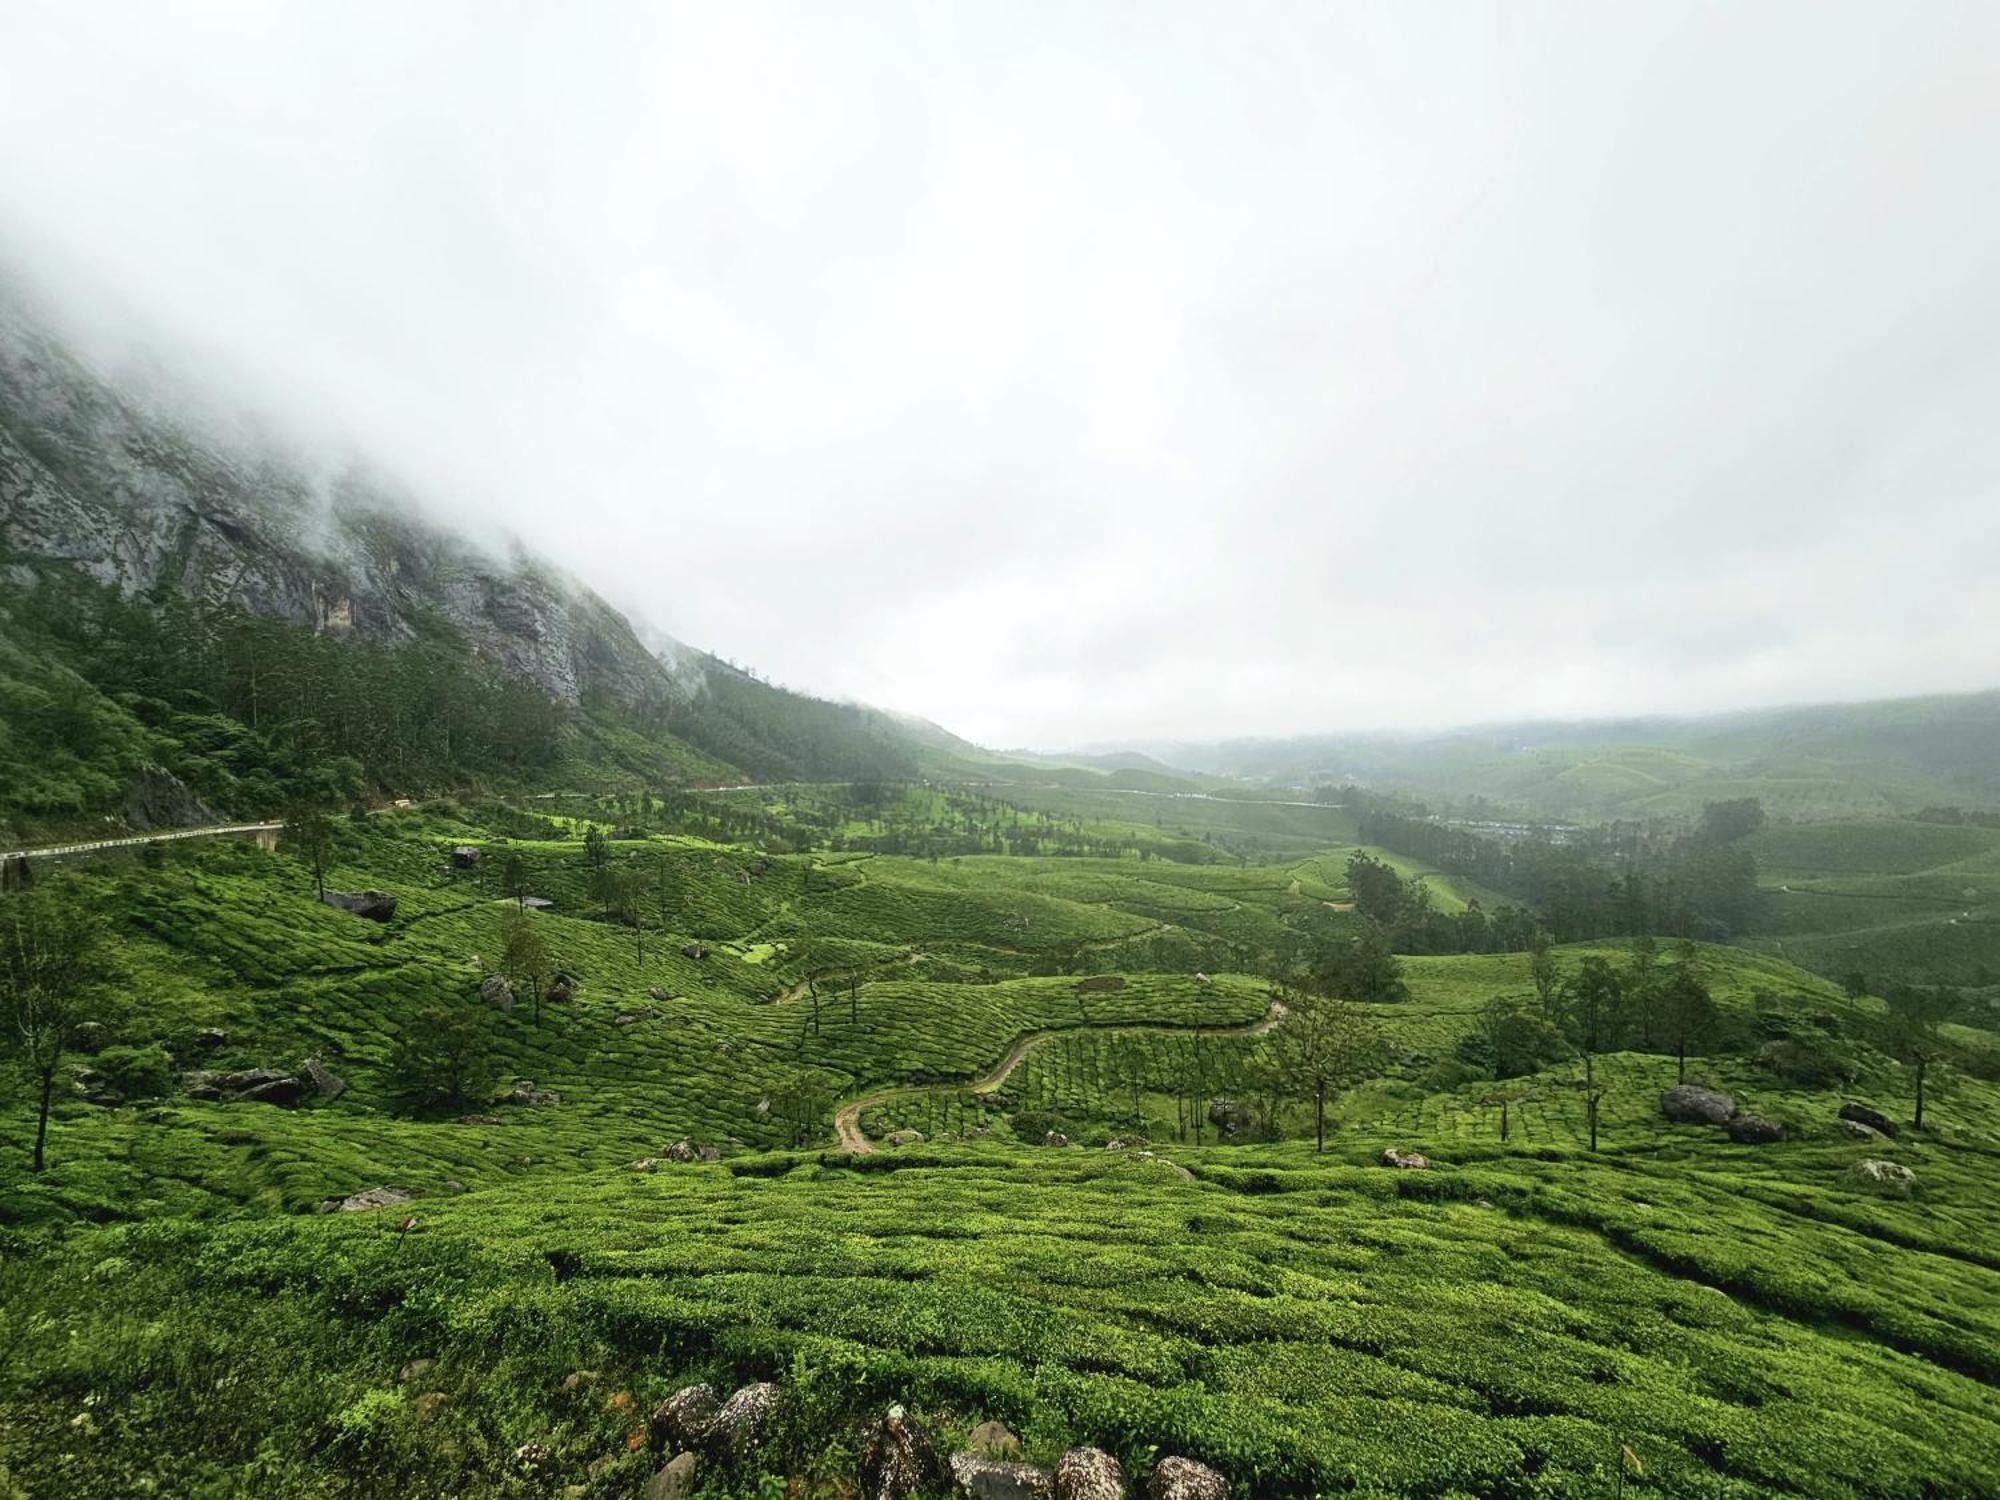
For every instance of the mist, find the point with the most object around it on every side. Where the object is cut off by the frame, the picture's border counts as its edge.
(1109, 373)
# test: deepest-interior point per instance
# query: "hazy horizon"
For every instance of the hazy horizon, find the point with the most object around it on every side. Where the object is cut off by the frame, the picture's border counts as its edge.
(1105, 377)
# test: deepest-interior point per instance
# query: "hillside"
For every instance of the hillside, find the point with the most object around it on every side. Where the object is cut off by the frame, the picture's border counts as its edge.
(1854, 760)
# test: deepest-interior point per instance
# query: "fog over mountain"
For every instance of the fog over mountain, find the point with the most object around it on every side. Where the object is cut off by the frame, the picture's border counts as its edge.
(1104, 375)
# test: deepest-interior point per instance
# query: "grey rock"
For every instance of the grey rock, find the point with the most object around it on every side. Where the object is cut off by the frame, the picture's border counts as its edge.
(1184, 1479)
(978, 1477)
(1089, 1474)
(376, 906)
(1693, 1105)
(1755, 1130)
(676, 1479)
(497, 991)
(1055, 1138)
(901, 1460)
(1854, 1130)
(90, 1036)
(903, 1138)
(1887, 1177)
(682, 1150)
(465, 857)
(747, 1418)
(155, 798)
(694, 950)
(686, 1419)
(995, 1440)
(329, 1083)
(537, 1458)
(646, 1164)
(368, 1198)
(1230, 1116)
(1863, 1114)
(209, 1038)
(285, 1092)
(1405, 1161)
(526, 1094)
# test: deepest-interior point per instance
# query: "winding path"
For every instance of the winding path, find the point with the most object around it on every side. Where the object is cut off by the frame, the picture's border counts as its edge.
(847, 1131)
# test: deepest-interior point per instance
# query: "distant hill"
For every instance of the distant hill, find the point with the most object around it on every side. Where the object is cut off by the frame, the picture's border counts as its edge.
(1852, 760)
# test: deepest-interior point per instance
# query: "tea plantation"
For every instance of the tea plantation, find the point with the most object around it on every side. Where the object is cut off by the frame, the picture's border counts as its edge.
(1076, 1202)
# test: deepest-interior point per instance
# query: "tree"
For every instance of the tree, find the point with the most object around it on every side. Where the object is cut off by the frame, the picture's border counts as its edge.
(1546, 976)
(596, 852)
(523, 953)
(514, 877)
(48, 973)
(309, 833)
(1362, 968)
(1518, 1037)
(1595, 998)
(625, 899)
(443, 1059)
(1377, 889)
(1686, 1008)
(1323, 1045)
(1916, 1012)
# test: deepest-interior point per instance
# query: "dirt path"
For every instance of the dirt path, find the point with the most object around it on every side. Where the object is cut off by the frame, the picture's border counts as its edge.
(847, 1119)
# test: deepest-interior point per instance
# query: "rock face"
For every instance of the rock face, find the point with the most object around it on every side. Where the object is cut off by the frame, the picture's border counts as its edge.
(1754, 1130)
(264, 1085)
(159, 799)
(1874, 1119)
(1693, 1105)
(1089, 1474)
(686, 1419)
(901, 1460)
(746, 1420)
(1884, 1177)
(1184, 1479)
(376, 906)
(1405, 1161)
(361, 1202)
(1230, 1117)
(497, 992)
(676, 1479)
(978, 1477)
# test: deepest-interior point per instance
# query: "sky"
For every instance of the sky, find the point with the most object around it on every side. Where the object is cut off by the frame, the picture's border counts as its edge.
(1092, 373)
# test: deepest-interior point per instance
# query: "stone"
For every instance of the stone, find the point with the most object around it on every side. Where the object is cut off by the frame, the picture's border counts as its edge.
(429, 1404)
(1405, 1161)
(901, 1460)
(646, 1164)
(995, 1440)
(329, 1083)
(978, 1477)
(465, 857)
(415, 1370)
(1854, 1130)
(480, 1120)
(561, 990)
(760, 866)
(376, 906)
(368, 1198)
(90, 1036)
(686, 1419)
(1089, 1474)
(682, 1150)
(746, 1419)
(525, 1093)
(659, 995)
(1692, 1104)
(903, 1138)
(1884, 1176)
(1230, 1116)
(694, 950)
(537, 1458)
(209, 1038)
(710, 1153)
(1874, 1119)
(497, 991)
(676, 1479)
(453, 1187)
(1184, 1479)
(1755, 1130)
(285, 1092)
(1055, 1138)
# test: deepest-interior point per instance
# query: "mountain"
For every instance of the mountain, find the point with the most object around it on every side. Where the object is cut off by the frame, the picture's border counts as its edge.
(125, 502)
(1825, 760)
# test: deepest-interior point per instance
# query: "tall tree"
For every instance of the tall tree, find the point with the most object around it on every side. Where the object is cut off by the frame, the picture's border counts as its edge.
(1595, 999)
(1323, 1045)
(309, 832)
(48, 973)
(1916, 1014)
(443, 1059)
(1685, 1006)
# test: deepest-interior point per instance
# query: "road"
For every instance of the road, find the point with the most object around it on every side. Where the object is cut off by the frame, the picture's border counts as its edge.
(132, 841)
(847, 1119)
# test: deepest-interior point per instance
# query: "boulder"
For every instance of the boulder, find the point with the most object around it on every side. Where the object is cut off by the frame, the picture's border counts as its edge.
(1055, 1138)
(760, 866)
(1089, 1474)
(694, 950)
(1884, 1177)
(361, 1202)
(675, 1481)
(1874, 1119)
(90, 1036)
(659, 995)
(901, 1460)
(537, 1458)
(903, 1138)
(209, 1038)
(561, 990)
(480, 1120)
(200, 1084)
(376, 906)
(329, 1083)
(1854, 1130)
(686, 1419)
(682, 1150)
(1184, 1479)
(465, 857)
(1692, 1104)
(285, 1092)
(1230, 1116)
(453, 1187)
(709, 1153)
(497, 991)
(1405, 1161)
(415, 1370)
(746, 1420)
(977, 1477)
(525, 1093)
(994, 1440)
(646, 1164)
(1755, 1130)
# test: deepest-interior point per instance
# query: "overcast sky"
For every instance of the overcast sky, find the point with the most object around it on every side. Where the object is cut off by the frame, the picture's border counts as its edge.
(1075, 373)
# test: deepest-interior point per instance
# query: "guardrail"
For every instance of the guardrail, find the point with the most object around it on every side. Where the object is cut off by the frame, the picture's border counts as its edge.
(60, 851)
